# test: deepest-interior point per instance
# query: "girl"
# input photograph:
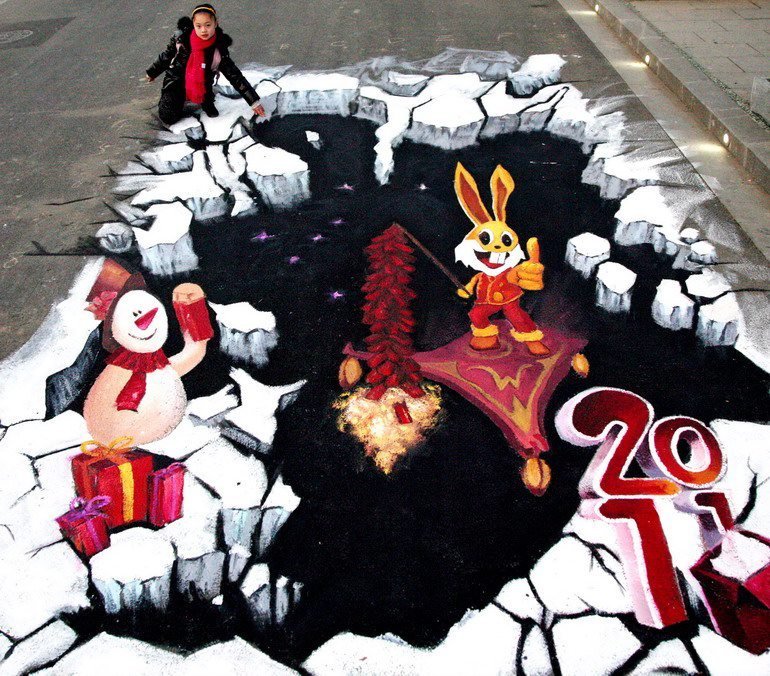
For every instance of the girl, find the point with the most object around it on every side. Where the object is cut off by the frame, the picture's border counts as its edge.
(197, 52)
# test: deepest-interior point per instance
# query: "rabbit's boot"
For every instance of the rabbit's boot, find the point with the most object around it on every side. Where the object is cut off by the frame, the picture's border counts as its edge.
(537, 348)
(486, 338)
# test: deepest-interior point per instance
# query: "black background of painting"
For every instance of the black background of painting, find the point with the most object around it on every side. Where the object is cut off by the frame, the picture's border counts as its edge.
(411, 552)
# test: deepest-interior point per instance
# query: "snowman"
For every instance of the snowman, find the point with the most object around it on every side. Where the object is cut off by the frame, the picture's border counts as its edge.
(140, 393)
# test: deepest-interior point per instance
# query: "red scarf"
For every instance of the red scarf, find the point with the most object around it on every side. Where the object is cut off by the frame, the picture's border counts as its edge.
(195, 73)
(141, 364)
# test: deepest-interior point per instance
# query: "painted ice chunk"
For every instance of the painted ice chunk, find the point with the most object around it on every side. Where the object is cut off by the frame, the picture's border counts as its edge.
(235, 157)
(231, 112)
(269, 599)
(450, 122)
(483, 643)
(130, 215)
(689, 235)
(246, 334)
(102, 653)
(239, 480)
(281, 178)
(115, 238)
(465, 85)
(671, 308)
(405, 84)
(703, 252)
(614, 283)
(718, 322)
(37, 438)
(268, 91)
(582, 120)
(538, 70)
(535, 116)
(229, 180)
(281, 501)
(233, 657)
(134, 571)
(706, 285)
(518, 598)
(722, 658)
(55, 346)
(593, 645)
(169, 158)
(314, 139)
(573, 577)
(535, 655)
(205, 408)
(746, 444)
(586, 251)
(238, 559)
(199, 565)
(316, 94)
(189, 127)
(196, 188)
(640, 211)
(166, 248)
(35, 589)
(255, 77)
(253, 423)
(39, 649)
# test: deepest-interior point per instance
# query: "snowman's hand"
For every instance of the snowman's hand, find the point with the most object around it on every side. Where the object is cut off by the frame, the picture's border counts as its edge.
(188, 293)
(191, 355)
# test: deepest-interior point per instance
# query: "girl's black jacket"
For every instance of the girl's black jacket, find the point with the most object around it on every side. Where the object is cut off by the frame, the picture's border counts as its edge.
(173, 60)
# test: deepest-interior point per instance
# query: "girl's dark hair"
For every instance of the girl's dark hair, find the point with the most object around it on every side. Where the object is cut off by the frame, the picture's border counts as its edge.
(206, 8)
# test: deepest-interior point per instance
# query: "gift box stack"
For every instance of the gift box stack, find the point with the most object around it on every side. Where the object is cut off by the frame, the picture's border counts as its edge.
(735, 579)
(117, 485)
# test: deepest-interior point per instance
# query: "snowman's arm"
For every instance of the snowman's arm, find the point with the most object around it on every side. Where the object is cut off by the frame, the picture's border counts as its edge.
(191, 355)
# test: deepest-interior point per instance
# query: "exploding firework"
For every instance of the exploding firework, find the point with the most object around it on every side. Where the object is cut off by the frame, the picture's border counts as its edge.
(377, 426)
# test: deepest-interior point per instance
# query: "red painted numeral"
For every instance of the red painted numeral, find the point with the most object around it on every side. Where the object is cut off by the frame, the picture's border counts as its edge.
(621, 424)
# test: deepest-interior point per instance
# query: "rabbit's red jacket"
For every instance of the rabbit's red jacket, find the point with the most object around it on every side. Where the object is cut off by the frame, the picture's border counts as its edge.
(498, 290)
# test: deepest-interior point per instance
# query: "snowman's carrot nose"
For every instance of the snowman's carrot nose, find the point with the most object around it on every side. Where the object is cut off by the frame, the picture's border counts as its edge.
(146, 319)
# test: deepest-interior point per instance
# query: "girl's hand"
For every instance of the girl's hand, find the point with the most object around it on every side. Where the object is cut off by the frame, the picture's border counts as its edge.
(258, 109)
(147, 78)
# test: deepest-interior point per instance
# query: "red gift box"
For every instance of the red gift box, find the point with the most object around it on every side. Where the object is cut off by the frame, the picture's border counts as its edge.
(740, 611)
(85, 525)
(166, 487)
(118, 472)
(192, 312)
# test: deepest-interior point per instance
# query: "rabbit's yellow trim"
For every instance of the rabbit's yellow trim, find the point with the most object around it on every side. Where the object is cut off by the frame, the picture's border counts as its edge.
(502, 186)
(468, 195)
(527, 337)
(490, 330)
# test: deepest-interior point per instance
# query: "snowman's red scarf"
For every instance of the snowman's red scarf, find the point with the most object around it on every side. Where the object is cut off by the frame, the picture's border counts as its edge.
(141, 364)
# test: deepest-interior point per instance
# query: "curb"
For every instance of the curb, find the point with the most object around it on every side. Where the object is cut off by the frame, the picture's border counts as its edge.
(745, 139)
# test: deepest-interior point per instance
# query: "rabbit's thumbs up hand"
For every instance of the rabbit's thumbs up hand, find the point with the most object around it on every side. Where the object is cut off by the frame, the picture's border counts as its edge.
(530, 272)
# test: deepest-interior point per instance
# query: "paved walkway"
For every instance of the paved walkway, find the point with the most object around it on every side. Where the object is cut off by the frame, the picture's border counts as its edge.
(729, 39)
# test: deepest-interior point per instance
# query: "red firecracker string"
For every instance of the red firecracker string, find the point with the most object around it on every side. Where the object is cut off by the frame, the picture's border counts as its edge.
(388, 315)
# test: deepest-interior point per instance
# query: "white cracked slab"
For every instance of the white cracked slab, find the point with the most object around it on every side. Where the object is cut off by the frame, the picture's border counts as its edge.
(39, 649)
(186, 438)
(115, 238)
(316, 94)
(239, 480)
(224, 175)
(169, 158)
(587, 646)
(55, 569)
(281, 178)
(235, 657)
(205, 408)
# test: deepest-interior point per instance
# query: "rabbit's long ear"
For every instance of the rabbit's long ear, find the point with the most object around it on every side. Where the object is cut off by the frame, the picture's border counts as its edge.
(502, 186)
(468, 195)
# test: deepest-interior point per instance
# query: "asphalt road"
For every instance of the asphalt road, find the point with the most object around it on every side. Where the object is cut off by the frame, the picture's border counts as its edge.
(75, 103)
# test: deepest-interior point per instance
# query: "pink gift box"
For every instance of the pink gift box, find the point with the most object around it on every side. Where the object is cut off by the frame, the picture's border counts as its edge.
(85, 525)
(166, 487)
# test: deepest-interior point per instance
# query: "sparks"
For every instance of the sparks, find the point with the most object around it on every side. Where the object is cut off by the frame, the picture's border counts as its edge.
(262, 237)
(293, 260)
(336, 295)
(346, 186)
(318, 238)
(338, 221)
(375, 424)
(422, 186)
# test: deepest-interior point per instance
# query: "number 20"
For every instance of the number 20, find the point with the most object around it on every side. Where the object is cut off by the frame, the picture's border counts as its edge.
(621, 424)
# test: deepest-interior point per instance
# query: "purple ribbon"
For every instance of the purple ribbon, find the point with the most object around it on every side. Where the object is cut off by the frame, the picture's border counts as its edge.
(168, 471)
(92, 507)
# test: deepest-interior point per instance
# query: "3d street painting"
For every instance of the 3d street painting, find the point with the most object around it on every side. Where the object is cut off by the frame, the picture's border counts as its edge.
(443, 368)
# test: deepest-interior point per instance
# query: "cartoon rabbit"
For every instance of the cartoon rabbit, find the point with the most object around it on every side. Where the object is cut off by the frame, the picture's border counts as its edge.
(492, 248)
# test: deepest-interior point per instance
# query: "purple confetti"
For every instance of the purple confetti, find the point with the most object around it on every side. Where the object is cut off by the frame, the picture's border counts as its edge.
(318, 238)
(262, 237)
(293, 260)
(346, 186)
(338, 221)
(336, 295)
